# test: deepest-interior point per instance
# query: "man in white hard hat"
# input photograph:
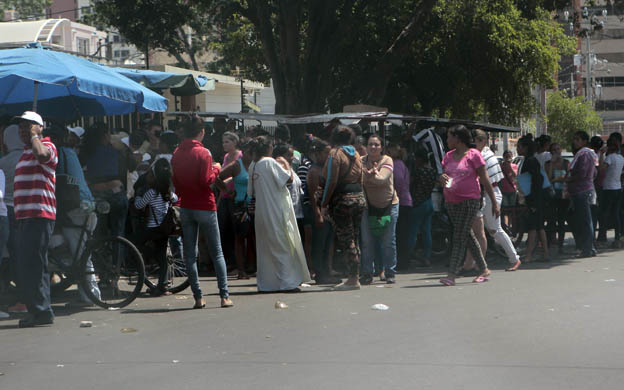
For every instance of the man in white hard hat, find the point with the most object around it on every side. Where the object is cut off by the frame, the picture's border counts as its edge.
(35, 211)
(74, 137)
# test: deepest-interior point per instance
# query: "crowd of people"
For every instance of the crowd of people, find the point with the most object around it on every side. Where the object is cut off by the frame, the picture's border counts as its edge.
(339, 209)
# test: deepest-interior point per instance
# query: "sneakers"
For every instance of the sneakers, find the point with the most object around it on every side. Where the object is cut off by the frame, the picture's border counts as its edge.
(390, 280)
(18, 308)
(365, 280)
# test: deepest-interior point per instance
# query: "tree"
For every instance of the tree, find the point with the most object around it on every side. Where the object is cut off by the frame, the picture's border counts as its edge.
(566, 115)
(466, 59)
(155, 24)
(26, 8)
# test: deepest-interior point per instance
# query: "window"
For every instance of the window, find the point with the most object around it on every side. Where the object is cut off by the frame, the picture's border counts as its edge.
(116, 38)
(116, 54)
(125, 53)
(82, 45)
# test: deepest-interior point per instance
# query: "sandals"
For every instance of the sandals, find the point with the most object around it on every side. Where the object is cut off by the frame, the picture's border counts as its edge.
(514, 267)
(481, 279)
(447, 282)
(226, 302)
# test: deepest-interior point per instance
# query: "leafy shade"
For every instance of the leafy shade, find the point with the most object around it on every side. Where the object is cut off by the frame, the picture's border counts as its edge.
(26, 8)
(466, 59)
(566, 115)
(156, 24)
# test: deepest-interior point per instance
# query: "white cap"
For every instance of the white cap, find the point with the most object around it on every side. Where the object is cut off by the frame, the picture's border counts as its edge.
(32, 116)
(79, 131)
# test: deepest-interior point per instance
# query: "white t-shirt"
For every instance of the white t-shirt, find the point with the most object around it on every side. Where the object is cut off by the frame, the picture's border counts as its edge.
(543, 158)
(615, 163)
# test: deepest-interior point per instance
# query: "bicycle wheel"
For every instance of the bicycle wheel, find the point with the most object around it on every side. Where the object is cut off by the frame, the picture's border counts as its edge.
(177, 276)
(112, 272)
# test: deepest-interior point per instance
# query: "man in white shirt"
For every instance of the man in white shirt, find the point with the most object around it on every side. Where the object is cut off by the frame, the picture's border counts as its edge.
(611, 165)
(491, 222)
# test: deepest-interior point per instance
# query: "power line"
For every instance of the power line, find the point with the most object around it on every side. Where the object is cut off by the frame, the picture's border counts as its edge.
(51, 13)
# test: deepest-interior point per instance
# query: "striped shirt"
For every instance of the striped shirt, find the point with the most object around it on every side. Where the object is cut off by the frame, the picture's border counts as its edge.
(433, 143)
(35, 184)
(302, 172)
(494, 171)
(159, 206)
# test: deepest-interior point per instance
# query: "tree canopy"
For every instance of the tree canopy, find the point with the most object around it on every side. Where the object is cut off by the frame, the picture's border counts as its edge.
(156, 24)
(26, 8)
(466, 59)
(566, 115)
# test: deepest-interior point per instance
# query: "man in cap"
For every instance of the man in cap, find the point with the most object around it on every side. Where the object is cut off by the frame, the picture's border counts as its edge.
(74, 137)
(35, 211)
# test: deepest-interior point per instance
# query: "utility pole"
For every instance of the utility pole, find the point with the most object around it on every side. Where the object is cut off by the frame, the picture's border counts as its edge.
(588, 81)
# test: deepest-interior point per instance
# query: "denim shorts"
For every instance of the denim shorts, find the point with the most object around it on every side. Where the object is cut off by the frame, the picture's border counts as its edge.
(509, 199)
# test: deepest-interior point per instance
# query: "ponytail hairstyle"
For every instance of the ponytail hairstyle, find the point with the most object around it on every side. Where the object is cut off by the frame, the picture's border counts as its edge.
(281, 150)
(162, 178)
(262, 147)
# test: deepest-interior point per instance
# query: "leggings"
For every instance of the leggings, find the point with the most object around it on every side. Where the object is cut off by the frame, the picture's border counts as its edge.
(461, 215)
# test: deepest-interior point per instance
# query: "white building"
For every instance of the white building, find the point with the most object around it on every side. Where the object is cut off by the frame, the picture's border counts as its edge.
(59, 34)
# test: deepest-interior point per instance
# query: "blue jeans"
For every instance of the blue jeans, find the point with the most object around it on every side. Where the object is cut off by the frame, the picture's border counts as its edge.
(420, 222)
(33, 237)
(192, 222)
(386, 242)
(175, 244)
(12, 244)
(583, 224)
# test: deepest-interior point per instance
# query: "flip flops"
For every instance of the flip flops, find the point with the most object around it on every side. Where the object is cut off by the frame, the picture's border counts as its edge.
(447, 282)
(481, 279)
(514, 267)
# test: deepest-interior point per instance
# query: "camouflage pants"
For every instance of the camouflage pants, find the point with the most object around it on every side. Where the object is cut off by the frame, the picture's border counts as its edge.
(345, 212)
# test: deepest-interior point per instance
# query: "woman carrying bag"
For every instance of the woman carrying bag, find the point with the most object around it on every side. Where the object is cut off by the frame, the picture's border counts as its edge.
(379, 221)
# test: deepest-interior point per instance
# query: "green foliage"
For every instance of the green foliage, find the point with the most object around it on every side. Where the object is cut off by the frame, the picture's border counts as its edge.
(483, 54)
(469, 59)
(26, 8)
(155, 24)
(566, 115)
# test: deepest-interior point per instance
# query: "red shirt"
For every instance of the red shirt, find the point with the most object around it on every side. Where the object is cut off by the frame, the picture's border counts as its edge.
(34, 184)
(193, 175)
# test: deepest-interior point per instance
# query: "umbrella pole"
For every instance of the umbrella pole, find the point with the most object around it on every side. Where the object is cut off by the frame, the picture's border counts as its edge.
(35, 93)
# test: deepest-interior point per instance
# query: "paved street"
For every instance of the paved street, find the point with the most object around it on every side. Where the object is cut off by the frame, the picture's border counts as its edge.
(556, 326)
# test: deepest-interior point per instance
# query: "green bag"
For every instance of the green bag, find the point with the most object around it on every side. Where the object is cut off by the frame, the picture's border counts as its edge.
(379, 219)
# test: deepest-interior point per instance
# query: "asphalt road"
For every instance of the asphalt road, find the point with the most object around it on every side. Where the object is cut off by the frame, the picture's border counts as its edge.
(553, 326)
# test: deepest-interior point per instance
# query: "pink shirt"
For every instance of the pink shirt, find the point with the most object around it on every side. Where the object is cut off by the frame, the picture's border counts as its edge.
(465, 183)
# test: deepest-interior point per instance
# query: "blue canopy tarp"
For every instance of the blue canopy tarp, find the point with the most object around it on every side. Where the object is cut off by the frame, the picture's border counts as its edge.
(178, 84)
(60, 85)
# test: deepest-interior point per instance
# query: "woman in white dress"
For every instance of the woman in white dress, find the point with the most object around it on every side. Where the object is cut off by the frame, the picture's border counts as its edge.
(281, 259)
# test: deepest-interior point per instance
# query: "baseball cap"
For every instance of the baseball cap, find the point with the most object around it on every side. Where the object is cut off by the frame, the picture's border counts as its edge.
(79, 131)
(32, 116)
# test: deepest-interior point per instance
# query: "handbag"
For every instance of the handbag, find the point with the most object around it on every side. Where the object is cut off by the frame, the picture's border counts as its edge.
(242, 220)
(171, 224)
(67, 190)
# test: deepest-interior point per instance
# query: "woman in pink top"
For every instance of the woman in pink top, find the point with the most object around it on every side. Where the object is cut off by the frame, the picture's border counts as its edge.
(464, 168)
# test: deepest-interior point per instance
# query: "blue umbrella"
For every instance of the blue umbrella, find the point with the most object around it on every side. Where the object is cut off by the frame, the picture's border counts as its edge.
(60, 85)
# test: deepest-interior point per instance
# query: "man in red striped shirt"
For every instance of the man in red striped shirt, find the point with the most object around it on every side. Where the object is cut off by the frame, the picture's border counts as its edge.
(35, 212)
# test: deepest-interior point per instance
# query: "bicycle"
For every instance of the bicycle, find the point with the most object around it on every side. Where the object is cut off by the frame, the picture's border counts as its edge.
(112, 263)
(178, 277)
